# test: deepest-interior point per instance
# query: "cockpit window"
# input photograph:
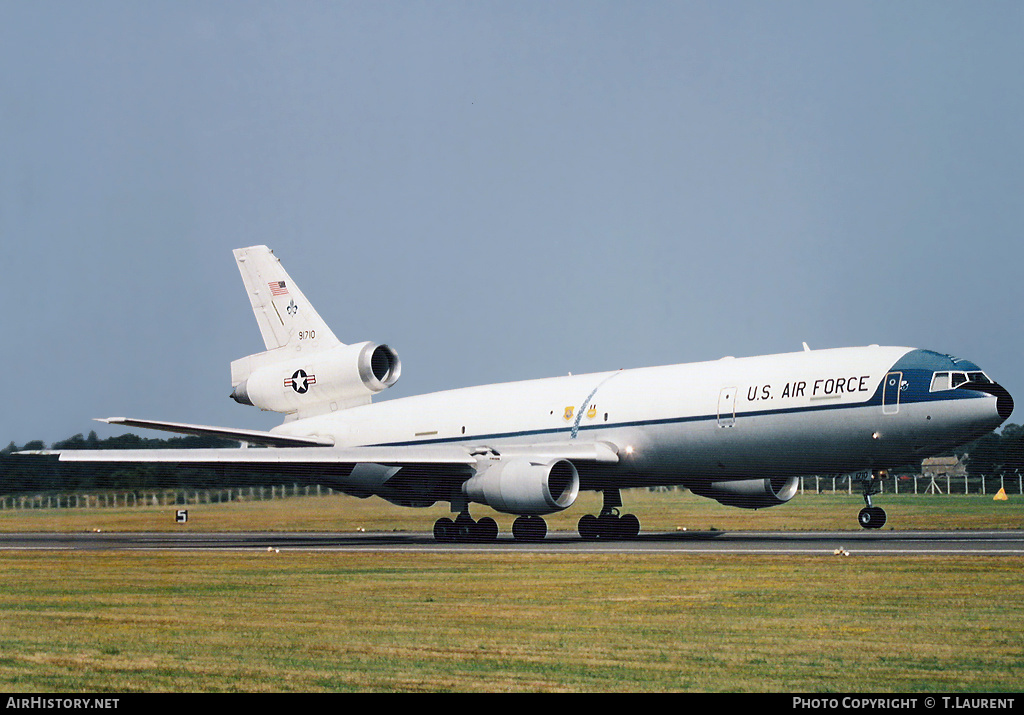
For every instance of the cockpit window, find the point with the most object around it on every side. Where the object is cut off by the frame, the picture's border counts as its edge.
(953, 380)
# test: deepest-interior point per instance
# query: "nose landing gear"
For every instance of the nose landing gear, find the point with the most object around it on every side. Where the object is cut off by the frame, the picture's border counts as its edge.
(872, 517)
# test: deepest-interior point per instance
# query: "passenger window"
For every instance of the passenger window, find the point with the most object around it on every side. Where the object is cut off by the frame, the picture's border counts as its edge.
(940, 381)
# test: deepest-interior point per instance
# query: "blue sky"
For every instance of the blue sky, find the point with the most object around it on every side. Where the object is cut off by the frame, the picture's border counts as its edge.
(499, 191)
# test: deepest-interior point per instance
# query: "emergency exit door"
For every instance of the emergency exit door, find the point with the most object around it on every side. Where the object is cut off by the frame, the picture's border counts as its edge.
(891, 390)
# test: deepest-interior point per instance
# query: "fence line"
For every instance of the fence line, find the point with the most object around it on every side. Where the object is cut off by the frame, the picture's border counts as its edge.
(945, 484)
(158, 497)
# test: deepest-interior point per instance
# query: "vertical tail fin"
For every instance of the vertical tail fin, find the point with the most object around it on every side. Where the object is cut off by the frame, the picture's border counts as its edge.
(305, 370)
(282, 311)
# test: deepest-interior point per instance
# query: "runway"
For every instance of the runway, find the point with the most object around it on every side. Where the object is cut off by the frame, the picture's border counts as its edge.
(859, 543)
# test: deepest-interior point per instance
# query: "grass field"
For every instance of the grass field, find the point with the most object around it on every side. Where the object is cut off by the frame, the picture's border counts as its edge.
(149, 622)
(278, 622)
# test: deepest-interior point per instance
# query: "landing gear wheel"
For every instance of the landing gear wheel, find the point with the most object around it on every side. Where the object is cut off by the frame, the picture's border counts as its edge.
(588, 527)
(529, 528)
(629, 526)
(608, 526)
(539, 528)
(864, 517)
(486, 529)
(464, 527)
(872, 517)
(444, 529)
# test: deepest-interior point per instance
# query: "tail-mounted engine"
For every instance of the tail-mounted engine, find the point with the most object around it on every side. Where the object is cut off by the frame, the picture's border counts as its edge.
(750, 493)
(314, 382)
(519, 486)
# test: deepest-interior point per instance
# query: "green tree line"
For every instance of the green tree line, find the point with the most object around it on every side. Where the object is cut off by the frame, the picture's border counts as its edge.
(996, 454)
(30, 473)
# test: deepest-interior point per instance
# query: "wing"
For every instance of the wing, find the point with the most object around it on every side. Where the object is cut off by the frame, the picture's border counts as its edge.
(410, 475)
(395, 456)
(285, 456)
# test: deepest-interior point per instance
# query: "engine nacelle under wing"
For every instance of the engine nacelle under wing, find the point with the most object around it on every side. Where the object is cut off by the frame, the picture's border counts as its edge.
(339, 377)
(519, 486)
(751, 493)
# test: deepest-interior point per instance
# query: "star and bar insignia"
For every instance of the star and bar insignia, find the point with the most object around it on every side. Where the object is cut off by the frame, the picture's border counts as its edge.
(300, 381)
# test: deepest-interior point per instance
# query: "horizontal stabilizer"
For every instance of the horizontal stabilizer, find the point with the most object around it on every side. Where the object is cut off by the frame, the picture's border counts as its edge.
(242, 435)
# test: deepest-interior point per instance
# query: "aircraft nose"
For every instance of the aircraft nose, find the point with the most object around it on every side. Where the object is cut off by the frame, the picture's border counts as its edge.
(1004, 402)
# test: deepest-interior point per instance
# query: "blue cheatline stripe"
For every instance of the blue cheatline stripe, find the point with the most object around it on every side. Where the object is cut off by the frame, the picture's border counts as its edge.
(873, 402)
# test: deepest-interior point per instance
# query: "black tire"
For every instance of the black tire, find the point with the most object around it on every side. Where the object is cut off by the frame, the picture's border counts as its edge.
(465, 527)
(444, 529)
(529, 528)
(538, 528)
(608, 526)
(872, 517)
(520, 529)
(486, 529)
(588, 527)
(629, 526)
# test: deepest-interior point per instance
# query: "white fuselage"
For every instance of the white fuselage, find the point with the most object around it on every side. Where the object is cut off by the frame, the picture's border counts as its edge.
(822, 411)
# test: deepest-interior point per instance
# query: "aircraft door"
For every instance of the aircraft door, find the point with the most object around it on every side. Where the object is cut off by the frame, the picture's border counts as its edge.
(891, 393)
(727, 407)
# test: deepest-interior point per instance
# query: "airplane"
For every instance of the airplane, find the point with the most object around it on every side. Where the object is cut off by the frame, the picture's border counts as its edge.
(738, 430)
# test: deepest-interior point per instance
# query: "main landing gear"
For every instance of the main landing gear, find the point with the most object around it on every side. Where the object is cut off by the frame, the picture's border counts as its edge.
(872, 517)
(609, 524)
(463, 528)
